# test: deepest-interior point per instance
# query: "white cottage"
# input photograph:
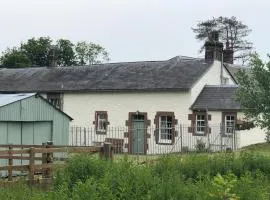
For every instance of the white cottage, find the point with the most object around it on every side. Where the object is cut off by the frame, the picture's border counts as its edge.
(142, 107)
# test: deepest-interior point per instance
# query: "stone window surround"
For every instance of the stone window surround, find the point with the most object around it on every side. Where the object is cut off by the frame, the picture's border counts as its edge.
(192, 117)
(55, 96)
(156, 122)
(96, 122)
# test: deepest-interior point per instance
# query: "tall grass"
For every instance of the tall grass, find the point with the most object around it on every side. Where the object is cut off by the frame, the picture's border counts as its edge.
(215, 176)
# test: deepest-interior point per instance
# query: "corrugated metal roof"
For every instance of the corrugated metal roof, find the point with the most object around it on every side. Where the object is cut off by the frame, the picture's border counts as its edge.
(6, 99)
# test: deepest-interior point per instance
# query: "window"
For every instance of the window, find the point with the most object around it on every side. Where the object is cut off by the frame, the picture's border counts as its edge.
(101, 122)
(165, 127)
(200, 124)
(229, 124)
(55, 99)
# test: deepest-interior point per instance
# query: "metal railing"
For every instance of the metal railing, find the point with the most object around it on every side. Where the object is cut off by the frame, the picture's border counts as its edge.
(153, 140)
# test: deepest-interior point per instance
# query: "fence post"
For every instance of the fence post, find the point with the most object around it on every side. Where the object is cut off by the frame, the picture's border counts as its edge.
(44, 160)
(49, 159)
(107, 151)
(10, 163)
(31, 165)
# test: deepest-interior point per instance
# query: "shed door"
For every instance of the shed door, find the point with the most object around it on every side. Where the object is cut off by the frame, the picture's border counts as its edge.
(36, 132)
(42, 132)
(14, 137)
(3, 140)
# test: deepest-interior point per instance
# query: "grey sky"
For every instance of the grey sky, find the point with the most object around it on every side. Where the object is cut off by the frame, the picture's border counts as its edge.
(130, 30)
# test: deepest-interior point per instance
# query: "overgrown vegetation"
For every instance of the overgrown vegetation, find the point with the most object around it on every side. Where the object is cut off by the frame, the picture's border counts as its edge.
(198, 176)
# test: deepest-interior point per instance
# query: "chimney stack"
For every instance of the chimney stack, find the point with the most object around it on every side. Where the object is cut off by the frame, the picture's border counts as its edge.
(213, 48)
(228, 54)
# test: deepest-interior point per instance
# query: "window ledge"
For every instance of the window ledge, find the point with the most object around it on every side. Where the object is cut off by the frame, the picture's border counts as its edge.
(165, 143)
(101, 132)
(199, 134)
(227, 135)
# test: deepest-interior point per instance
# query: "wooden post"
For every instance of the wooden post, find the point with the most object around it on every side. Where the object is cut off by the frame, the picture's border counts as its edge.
(44, 160)
(10, 163)
(31, 165)
(107, 150)
(49, 159)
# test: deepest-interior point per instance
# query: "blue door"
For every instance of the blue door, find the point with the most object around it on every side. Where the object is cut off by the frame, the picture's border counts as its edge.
(138, 134)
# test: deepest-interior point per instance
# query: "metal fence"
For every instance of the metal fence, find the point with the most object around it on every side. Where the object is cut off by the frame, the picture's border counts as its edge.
(152, 140)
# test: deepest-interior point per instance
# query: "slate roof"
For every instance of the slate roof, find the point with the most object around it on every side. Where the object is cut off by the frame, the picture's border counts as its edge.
(233, 69)
(178, 73)
(216, 98)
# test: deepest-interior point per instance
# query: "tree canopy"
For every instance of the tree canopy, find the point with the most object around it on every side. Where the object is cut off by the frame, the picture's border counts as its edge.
(42, 51)
(254, 91)
(233, 34)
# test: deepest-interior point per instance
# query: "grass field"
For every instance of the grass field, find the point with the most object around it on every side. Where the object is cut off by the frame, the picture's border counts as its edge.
(217, 176)
(259, 148)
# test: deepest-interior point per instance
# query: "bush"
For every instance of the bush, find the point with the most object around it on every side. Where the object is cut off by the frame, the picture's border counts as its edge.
(201, 176)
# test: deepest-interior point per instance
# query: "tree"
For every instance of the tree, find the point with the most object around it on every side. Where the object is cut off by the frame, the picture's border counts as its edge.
(253, 92)
(39, 51)
(14, 58)
(42, 52)
(90, 53)
(232, 33)
(65, 53)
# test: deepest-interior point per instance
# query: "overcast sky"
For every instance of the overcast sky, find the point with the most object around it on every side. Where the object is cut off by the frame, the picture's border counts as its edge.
(130, 30)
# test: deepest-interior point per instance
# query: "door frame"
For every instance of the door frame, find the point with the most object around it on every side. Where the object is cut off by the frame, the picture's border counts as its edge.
(129, 125)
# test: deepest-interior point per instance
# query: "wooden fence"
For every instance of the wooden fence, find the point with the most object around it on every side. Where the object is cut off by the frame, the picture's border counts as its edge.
(44, 154)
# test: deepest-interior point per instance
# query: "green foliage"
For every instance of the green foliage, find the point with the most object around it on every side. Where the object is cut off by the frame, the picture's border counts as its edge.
(14, 58)
(254, 92)
(43, 51)
(65, 54)
(232, 31)
(200, 146)
(200, 177)
(39, 51)
(90, 53)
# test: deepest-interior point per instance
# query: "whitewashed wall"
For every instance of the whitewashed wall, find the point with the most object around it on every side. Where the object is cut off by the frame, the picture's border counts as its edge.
(82, 108)
(252, 136)
(211, 77)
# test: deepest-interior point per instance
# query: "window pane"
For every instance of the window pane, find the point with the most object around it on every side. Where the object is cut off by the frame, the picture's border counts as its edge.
(229, 123)
(165, 127)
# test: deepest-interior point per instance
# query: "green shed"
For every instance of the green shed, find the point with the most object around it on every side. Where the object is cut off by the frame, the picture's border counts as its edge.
(28, 118)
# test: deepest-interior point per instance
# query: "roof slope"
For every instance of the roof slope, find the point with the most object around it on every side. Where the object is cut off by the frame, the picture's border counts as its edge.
(216, 98)
(6, 99)
(233, 69)
(178, 73)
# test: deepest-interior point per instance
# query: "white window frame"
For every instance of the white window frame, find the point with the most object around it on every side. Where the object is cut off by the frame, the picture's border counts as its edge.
(99, 121)
(200, 121)
(231, 121)
(166, 127)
